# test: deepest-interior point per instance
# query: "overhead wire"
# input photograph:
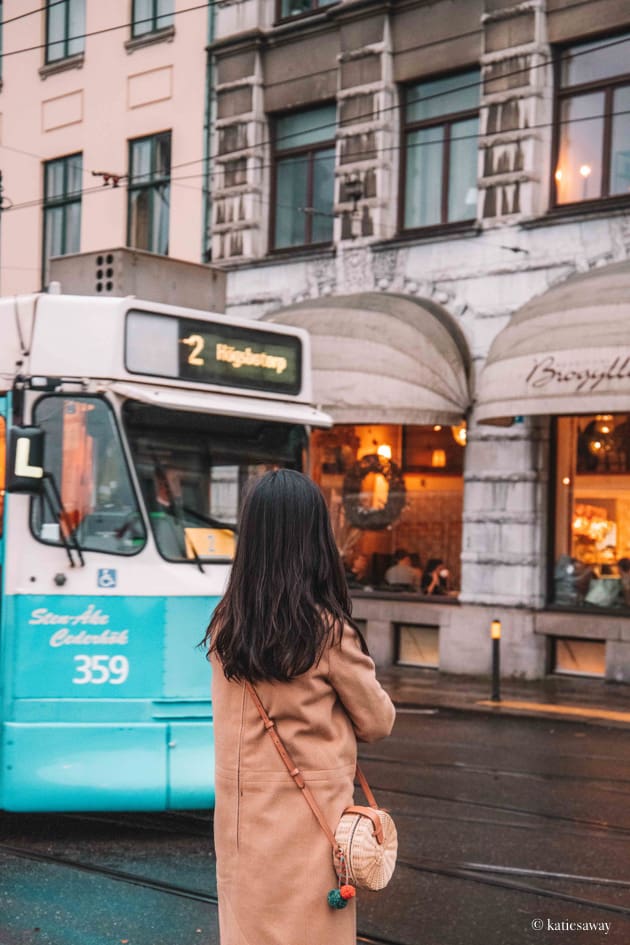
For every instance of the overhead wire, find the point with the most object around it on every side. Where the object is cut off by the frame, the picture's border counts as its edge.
(367, 116)
(209, 174)
(104, 29)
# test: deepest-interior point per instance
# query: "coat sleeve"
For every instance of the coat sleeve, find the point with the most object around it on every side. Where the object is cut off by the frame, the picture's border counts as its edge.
(353, 677)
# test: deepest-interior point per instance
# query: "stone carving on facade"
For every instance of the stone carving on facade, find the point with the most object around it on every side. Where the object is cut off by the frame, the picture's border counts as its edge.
(321, 277)
(354, 269)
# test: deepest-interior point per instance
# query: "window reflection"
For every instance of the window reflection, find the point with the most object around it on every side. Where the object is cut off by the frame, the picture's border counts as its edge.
(579, 170)
(441, 142)
(193, 470)
(620, 151)
(592, 539)
(593, 135)
(84, 454)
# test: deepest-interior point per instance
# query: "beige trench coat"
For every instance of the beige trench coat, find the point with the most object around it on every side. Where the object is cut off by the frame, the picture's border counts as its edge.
(274, 862)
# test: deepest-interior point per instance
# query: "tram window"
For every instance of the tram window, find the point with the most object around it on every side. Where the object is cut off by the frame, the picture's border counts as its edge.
(193, 469)
(84, 453)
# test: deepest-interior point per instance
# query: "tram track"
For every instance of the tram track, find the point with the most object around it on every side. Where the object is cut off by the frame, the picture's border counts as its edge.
(597, 825)
(482, 874)
(145, 882)
(465, 768)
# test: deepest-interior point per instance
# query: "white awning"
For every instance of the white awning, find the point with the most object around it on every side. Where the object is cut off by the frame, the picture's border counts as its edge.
(565, 352)
(228, 405)
(383, 358)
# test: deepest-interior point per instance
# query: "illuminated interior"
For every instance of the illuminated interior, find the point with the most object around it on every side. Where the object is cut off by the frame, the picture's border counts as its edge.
(426, 522)
(592, 535)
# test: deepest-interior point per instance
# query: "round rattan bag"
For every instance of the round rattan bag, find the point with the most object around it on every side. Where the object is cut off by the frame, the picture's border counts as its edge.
(368, 842)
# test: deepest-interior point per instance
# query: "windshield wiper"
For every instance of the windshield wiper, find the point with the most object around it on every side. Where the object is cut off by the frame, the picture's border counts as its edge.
(209, 519)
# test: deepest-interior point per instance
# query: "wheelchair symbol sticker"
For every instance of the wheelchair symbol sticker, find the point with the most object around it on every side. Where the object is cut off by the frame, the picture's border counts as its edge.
(107, 577)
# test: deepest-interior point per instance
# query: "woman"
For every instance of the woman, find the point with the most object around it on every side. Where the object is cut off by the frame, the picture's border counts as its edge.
(284, 625)
(435, 577)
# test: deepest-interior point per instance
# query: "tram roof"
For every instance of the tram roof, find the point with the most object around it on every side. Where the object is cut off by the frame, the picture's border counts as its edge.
(74, 336)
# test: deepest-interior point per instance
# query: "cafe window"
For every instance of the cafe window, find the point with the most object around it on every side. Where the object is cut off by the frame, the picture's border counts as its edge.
(149, 16)
(593, 121)
(304, 177)
(149, 193)
(441, 130)
(65, 29)
(395, 496)
(291, 8)
(591, 567)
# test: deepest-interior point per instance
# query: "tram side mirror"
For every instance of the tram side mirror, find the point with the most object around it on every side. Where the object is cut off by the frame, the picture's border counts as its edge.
(25, 466)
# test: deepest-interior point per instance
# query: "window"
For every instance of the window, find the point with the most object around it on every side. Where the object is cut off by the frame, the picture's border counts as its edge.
(395, 497)
(62, 207)
(149, 193)
(440, 151)
(304, 177)
(288, 8)
(84, 454)
(591, 566)
(148, 16)
(65, 28)
(593, 121)
(193, 470)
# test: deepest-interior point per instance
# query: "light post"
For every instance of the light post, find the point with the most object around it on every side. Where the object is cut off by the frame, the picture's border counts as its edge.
(495, 633)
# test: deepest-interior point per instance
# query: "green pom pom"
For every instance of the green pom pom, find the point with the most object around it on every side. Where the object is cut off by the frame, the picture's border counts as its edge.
(336, 900)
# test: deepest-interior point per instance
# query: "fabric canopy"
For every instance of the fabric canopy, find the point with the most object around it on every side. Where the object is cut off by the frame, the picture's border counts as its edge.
(565, 352)
(384, 358)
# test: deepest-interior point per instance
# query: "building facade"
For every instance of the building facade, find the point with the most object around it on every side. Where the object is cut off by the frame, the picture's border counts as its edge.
(440, 193)
(103, 131)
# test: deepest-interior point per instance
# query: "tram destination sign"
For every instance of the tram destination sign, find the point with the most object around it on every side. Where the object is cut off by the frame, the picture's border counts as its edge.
(217, 353)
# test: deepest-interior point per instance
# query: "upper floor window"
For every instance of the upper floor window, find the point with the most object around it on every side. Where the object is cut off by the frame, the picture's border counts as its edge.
(148, 16)
(304, 177)
(441, 128)
(65, 29)
(288, 8)
(62, 208)
(149, 193)
(593, 121)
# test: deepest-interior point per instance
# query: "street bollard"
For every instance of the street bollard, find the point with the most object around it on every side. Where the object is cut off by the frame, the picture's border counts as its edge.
(495, 633)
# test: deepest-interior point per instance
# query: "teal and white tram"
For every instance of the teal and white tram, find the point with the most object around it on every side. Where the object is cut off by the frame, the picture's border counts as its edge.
(128, 431)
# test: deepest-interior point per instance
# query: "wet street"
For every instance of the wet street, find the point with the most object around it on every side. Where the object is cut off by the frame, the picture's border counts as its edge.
(512, 831)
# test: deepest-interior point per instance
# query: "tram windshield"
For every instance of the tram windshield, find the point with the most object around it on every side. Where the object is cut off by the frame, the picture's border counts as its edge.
(84, 454)
(193, 469)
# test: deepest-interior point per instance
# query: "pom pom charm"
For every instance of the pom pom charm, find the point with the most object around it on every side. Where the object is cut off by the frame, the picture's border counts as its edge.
(336, 900)
(347, 891)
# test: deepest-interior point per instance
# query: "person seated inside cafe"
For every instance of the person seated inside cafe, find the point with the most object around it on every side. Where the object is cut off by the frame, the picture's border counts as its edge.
(402, 573)
(435, 577)
(623, 566)
(357, 571)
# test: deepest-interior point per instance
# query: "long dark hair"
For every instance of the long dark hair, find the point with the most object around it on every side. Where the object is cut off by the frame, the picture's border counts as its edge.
(287, 591)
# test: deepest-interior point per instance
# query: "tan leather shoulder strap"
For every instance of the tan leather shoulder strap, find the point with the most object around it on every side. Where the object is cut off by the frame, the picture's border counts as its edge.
(290, 765)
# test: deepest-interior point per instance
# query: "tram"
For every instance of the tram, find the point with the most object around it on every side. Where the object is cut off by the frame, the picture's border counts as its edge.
(128, 431)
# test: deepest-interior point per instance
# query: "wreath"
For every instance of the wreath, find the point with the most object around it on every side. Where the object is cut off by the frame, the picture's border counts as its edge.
(373, 519)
